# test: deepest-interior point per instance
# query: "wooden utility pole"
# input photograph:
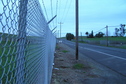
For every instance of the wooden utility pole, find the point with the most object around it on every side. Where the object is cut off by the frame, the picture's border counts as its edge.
(77, 26)
(60, 28)
(107, 34)
(58, 34)
(81, 36)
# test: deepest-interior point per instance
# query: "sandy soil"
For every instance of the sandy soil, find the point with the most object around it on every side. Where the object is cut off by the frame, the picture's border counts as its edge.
(91, 72)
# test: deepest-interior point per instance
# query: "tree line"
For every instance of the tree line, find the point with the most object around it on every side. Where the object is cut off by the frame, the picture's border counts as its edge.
(91, 35)
(118, 32)
(70, 36)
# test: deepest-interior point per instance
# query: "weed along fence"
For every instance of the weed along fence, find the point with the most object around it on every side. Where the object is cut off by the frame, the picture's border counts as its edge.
(27, 44)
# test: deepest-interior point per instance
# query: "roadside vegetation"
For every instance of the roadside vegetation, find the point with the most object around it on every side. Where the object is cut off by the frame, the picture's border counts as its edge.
(117, 42)
(65, 51)
(78, 66)
(101, 40)
(8, 57)
(7, 61)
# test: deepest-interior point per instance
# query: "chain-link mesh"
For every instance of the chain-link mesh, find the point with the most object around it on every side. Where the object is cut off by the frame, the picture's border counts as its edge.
(26, 43)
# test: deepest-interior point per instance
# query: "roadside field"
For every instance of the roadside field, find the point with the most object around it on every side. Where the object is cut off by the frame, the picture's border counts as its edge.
(7, 62)
(105, 38)
(118, 42)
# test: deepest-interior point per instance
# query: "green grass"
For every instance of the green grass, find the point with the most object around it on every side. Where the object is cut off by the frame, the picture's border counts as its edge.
(104, 38)
(78, 66)
(65, 51)
(57, 47)
(119, 39)
(82, 42)
(122, 46)
(7, 59)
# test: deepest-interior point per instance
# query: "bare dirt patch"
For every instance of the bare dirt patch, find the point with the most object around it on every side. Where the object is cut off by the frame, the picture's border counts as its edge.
(89, 72)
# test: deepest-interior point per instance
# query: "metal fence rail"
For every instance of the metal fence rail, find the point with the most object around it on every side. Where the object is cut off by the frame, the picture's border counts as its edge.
(27, 44)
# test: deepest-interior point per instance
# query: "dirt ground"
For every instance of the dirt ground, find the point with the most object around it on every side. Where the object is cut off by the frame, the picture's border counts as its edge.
(65, 72)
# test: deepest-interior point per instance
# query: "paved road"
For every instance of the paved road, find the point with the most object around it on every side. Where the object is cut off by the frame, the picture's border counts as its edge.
(113, 58)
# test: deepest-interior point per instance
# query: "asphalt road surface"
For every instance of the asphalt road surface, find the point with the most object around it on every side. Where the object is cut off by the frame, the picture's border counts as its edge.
(112, 58)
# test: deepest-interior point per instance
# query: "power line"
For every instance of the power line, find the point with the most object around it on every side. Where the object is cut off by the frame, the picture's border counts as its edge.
(59, 8)
(114, 26)
(99, 30)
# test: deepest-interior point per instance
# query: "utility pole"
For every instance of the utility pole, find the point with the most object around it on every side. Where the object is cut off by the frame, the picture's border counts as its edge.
(107, 34)
(77, 26)
(58, 34)
(60, 28)
(81, 36)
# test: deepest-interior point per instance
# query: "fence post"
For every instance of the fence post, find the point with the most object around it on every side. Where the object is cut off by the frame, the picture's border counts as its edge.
(21, 43)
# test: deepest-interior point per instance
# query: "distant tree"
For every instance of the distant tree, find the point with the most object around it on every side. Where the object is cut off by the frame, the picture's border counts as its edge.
(99, 34)
(120, 31)
(69, 36)
(87, 33)
(91, 35)
(116, 31)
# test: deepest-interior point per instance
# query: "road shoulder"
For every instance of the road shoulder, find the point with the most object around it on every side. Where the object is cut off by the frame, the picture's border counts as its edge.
(91, 72)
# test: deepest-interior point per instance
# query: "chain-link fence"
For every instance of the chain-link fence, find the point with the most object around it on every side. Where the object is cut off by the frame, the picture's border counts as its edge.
(26, 43)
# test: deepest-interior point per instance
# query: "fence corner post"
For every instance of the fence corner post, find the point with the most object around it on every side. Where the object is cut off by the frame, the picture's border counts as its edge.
(21, 43)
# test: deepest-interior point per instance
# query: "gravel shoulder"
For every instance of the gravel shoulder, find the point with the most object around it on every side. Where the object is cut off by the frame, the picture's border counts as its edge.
(91, 72)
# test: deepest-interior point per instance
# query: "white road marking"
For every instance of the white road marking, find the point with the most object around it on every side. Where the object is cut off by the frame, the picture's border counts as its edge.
(106, 54)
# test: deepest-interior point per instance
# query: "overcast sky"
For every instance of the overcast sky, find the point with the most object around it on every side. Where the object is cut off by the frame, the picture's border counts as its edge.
(93, 14)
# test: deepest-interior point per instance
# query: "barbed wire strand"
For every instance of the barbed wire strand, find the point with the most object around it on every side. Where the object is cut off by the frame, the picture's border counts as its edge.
(45, 11)
(50, 26)
(56, 12)
(51, 4)
(64, 9)
(67, 11)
